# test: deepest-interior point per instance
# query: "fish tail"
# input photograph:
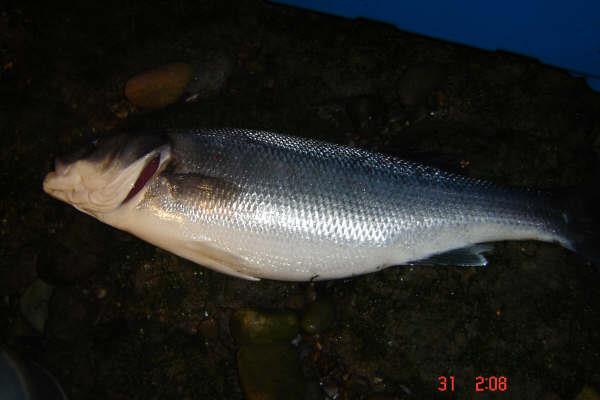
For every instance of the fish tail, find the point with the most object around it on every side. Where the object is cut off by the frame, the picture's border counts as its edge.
(582, 218)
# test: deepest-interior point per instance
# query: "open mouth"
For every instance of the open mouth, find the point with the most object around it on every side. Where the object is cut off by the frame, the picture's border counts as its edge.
(143, 178)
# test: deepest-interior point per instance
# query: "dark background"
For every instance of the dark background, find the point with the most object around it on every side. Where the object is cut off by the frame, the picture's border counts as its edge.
(127, 320)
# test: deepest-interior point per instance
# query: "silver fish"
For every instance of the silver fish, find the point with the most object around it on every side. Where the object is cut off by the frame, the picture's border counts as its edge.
(257, 204)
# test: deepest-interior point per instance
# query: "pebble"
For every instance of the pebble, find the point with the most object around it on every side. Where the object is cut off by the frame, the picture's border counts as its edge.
(34, 304)
(270, 371)
(588, 393)
(249, 326)
(159, 87)
(210, 75)
(100, 293)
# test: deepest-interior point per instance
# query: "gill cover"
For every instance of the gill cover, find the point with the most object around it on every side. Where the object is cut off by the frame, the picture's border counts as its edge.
(99, 177)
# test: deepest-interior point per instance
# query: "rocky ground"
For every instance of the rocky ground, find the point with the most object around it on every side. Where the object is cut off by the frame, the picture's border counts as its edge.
(113, 317)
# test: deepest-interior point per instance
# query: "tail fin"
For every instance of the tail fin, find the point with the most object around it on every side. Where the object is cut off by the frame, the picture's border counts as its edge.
(582, 216)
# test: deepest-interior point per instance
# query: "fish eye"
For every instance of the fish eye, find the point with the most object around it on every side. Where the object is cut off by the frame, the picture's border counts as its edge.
(89, 148)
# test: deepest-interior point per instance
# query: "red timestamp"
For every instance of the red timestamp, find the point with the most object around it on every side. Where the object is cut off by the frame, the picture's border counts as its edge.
(445, 383)
(492, 383)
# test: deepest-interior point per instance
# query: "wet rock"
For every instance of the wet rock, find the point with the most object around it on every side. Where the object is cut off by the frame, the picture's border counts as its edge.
(253, 326)
(34, 304)
(270, 371)
(122, 109)
(331, 390)
(159, 87)
(588, 393)
(100, 293)
(318, 316)
(210, 75)
(419, 82)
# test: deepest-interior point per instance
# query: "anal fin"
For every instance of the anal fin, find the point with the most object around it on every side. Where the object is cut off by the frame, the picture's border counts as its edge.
(210, 256)
(466, 256)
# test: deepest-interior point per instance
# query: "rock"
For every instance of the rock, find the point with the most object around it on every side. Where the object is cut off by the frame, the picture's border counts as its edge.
(159, 87)
(588, 393)
(210, 75)
(250, 326)
(100, 293)
(318, 316)
(122, 109)
(34, 304)
(270, 371)
(418, 83)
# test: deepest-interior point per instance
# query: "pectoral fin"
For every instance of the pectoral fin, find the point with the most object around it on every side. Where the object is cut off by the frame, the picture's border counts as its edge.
(467, 256)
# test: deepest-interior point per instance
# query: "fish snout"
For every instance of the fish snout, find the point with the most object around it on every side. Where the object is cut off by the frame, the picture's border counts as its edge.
(59, 181)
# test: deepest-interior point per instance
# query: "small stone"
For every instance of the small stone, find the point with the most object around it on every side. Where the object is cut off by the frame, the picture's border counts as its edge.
(270, 371)
(34, 304)
(318, 316)
(210, 75)
(159, 87)
(100, 293)
(588, 393)
(253, 326)
(122, 109)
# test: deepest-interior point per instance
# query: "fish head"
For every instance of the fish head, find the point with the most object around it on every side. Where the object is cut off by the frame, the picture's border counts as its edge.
(109, 172)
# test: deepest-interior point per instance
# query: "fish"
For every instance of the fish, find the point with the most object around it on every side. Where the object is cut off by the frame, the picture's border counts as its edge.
(262, 205)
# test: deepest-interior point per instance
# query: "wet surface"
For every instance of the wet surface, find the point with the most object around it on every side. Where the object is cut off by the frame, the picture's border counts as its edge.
(127, 320)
